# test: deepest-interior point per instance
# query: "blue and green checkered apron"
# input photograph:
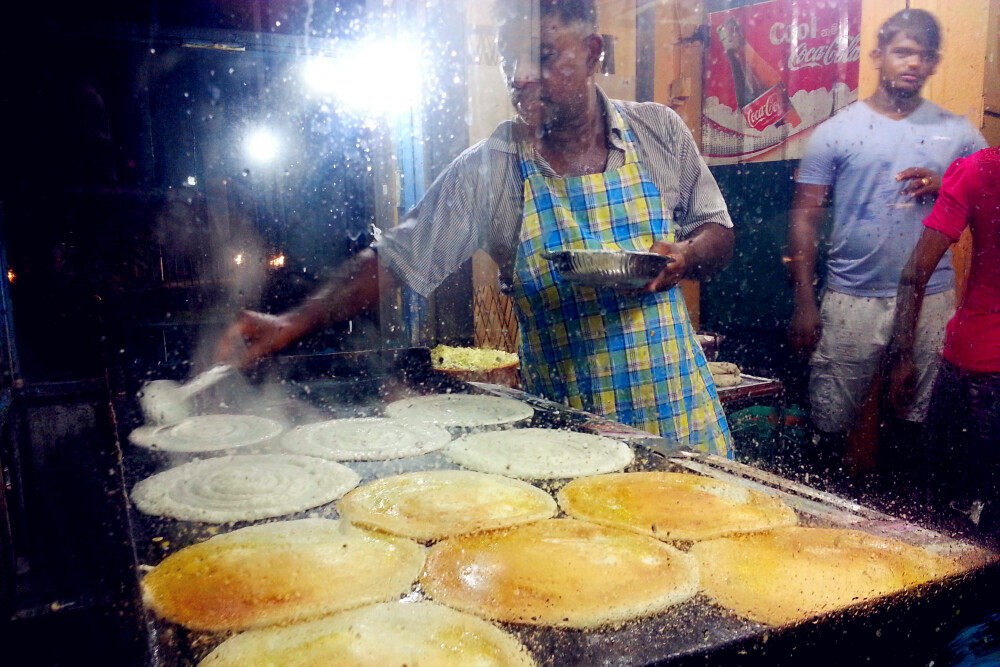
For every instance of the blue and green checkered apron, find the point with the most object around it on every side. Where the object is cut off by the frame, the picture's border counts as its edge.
(627, 355)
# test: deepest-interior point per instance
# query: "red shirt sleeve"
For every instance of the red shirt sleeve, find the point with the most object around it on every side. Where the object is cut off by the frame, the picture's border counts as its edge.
(950, 215)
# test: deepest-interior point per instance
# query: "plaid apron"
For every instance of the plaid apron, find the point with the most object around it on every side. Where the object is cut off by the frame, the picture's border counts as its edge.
(627, 355)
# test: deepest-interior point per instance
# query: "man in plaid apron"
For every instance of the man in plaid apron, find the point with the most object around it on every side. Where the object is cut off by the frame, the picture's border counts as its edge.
(630, 356)
(573, 170)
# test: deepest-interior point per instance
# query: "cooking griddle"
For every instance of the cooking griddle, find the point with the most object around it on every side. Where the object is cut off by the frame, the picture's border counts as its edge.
(314, 387)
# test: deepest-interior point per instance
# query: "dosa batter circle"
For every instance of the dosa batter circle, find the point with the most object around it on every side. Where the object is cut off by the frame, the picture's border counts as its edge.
(243, 488)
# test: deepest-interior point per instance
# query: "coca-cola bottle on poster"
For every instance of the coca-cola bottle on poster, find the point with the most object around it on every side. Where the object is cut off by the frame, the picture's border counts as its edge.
(760, 93)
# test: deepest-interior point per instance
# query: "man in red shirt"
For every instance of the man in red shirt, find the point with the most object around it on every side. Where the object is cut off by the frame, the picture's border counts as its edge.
(963, 423)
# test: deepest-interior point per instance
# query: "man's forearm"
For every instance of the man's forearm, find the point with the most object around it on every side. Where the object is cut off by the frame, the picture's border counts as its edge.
(708, 250)
(801, 259)
(353, 287)
(909, 300)
(912, 287)
(803, 241)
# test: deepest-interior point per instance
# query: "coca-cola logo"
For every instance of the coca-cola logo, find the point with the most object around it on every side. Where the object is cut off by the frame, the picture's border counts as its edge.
(767, 109)
(837, 51)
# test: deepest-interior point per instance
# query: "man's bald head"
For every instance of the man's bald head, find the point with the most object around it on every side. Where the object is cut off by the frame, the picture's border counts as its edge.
(568, 11)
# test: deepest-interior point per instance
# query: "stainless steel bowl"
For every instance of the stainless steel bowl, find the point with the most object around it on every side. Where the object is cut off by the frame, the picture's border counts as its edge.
(608, 268)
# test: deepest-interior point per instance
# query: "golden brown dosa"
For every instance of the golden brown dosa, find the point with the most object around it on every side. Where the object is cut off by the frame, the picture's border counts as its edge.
(435, 504)
(392, 633)
(280, 572)
(794, 573)
(673, 506)
(559, 572)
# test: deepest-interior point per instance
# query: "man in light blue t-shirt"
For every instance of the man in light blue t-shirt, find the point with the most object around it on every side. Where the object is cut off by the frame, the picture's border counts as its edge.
(883, 157)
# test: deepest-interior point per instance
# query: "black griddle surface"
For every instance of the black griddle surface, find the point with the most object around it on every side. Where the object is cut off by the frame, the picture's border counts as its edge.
(304, 389)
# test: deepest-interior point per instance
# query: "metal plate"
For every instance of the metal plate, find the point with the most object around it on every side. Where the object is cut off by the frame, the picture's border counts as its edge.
(608, 268)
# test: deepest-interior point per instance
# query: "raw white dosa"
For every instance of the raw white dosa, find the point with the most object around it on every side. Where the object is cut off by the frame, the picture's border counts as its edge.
(365, 439)
(208, 433)
(243, 488)
(460, 410)
(539, 453)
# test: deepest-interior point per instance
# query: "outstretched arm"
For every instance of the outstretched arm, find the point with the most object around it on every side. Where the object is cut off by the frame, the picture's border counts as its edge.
(353, 287)
(808, 204)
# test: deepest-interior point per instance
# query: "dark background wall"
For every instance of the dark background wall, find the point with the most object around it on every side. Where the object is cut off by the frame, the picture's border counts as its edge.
(750, 302)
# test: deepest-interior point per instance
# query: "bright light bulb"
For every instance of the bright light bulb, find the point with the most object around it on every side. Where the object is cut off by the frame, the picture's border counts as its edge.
(320, 74)
(261, 145)
(377, 77)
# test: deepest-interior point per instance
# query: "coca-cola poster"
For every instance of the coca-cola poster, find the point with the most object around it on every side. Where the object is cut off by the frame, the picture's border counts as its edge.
(774, 71)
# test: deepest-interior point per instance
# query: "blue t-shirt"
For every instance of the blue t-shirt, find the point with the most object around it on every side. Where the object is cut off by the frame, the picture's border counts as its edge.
(876, 226)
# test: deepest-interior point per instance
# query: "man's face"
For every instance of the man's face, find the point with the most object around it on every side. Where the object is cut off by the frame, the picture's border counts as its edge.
(905, 65)
(547, 66)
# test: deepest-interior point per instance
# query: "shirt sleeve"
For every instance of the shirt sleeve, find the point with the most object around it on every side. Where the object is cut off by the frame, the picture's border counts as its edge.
(819, 164)
(976, 142)
(701, 200)
(445, 228)
(670, 154)
(950, 214)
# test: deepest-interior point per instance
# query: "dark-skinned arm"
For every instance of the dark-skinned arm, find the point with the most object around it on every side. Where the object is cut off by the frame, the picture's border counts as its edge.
(353, 287)
(909, 299)
(703, 254)
(808, 205)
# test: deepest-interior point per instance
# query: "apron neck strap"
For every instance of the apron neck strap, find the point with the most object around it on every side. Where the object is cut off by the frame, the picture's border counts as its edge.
(526, 150)
(631, 154)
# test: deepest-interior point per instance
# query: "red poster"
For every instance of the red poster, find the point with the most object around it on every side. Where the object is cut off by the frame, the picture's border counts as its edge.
(775, 70)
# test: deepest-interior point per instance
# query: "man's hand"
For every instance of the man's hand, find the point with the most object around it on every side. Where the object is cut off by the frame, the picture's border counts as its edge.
(701, 255)
(253, 336)
(920, 181)
(805, 328)
(672, 272)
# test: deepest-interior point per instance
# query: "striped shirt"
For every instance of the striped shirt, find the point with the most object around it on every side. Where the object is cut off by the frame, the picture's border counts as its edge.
(476, 203)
